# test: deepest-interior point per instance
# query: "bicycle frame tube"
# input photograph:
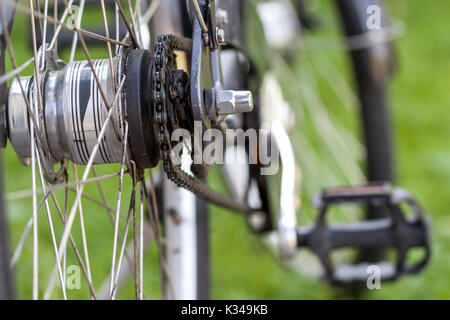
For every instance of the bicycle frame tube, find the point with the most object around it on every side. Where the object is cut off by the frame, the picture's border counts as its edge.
(373, 66)
(376, 60)
(182, 221)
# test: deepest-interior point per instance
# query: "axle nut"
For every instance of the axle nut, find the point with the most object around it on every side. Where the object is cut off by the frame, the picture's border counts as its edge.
(231, 102)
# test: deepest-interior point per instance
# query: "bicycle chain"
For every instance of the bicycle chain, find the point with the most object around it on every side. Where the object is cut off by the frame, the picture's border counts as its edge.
(162, 60)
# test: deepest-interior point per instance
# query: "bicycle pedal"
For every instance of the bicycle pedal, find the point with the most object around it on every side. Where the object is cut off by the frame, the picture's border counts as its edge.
(395, 231)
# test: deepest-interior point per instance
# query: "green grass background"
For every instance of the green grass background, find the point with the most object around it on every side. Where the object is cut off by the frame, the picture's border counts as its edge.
(241, 267)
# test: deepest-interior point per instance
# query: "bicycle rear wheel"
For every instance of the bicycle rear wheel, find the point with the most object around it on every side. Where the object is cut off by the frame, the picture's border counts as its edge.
(92, 78)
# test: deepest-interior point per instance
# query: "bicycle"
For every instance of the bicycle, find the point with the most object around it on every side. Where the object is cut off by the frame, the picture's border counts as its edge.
(178, 67)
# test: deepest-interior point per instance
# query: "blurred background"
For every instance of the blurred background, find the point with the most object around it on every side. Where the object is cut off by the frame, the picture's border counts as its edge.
(242, 267)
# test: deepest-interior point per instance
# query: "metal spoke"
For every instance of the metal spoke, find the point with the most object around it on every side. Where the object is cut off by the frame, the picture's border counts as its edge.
(18, 195)
(72, 241)
(150, 11)
(117, 24)
(136, 13)
(52, 230)
(75, 35)
(153, 215)
(326, 128)
(64, 219)
(361, 41)
(330, 134)
(117, 218)
(23, 238)
(127, 24)
(35, 221)
(36, 78)
(55, 28)
(33, 168)
(73, 210)
(343, 134)
(59, 25)
(97, 202)
(108, 45)
(340, 86)
(198, 13)
(105, 203)
(141, 244)
(343, 91)
(25, 233)
(38, 9)
(131, 211)
(133, 22)
(135, 239)
(16, 71)
(44, 33)
(127, 268)
(88, 33)
(83, 230)
(123, 245)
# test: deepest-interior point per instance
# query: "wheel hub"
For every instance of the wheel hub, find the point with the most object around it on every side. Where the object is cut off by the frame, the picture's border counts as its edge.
(74, 110)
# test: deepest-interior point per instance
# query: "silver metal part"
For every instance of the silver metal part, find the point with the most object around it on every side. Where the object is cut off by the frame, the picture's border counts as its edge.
(287, 220)
(181, 251)
(281, 25)
(19, 132)
(233, 102)
(221, 17)
(220, 35)
(274, 120)
(73, 116)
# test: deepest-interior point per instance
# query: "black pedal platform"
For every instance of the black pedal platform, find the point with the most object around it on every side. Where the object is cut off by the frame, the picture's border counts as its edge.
(396, 231)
